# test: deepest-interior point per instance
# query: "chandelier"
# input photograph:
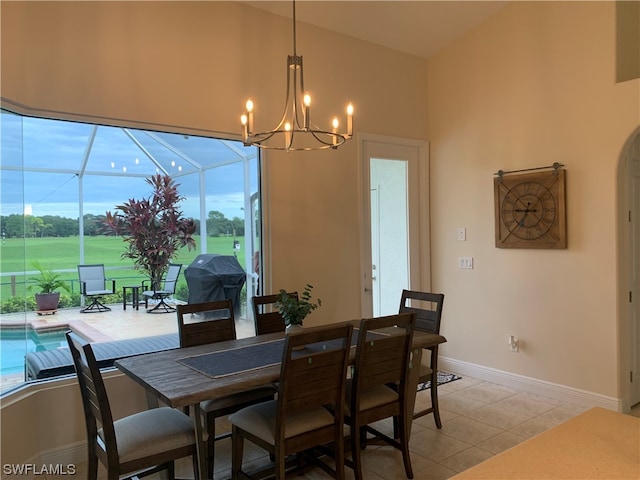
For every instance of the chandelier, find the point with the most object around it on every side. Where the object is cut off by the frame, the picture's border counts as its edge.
(295, 132)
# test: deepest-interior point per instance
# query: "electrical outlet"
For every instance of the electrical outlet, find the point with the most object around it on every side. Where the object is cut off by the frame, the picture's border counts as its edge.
(465, 263)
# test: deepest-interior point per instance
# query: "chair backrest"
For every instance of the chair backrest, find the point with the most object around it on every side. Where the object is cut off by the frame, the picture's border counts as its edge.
(202, 323)
(171, 278)
(268, 319)
(314, 375)
(383, 357)
(97, 411)
(92, 277)
(427, 307)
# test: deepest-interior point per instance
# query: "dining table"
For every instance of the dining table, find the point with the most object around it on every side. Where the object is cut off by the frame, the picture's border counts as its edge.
(184, 377)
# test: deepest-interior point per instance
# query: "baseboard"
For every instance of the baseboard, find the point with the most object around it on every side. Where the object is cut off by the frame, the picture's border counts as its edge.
(531, 385)
(58, 463)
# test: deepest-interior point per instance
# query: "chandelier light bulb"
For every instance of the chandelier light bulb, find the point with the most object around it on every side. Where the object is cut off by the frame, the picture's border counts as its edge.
(245, 127)
(307, 106)
(287, 135)
(113, 164)
(350, 120)
(335, 124)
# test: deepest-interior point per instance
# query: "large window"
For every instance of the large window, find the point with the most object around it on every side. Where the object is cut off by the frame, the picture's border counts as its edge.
(57, 181)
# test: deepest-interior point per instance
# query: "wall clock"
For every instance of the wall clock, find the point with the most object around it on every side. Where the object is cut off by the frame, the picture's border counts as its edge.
(530, 209)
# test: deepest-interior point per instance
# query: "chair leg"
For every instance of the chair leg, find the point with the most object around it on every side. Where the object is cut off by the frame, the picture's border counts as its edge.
(161, 307)
(404, 444)
(92, 464)
(356, 446)
(95, 306)
(171, 470)
(434, 402)
(196, 467)
(434, 387)
(237, 444)
(210, 422)
(280, 462)
(339, 458)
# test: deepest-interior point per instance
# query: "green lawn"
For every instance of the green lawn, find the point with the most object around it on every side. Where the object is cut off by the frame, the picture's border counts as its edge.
(16, 255)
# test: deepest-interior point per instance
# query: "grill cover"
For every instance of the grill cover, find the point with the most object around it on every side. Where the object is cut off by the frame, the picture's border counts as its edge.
(212, 277)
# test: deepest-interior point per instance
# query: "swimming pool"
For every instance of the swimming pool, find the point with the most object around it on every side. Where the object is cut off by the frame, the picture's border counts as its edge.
(16, 342)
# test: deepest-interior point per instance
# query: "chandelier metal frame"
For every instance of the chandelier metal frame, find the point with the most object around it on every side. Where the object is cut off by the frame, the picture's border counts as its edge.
(295, 132)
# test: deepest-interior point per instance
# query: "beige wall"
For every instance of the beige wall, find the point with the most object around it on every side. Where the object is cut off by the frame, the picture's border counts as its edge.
(192, 66)
(532, 86)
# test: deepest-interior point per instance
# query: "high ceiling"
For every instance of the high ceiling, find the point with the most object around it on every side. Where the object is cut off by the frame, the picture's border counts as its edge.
(419, 28)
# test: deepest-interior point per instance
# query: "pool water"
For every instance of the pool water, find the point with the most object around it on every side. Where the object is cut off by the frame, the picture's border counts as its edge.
(15, 343)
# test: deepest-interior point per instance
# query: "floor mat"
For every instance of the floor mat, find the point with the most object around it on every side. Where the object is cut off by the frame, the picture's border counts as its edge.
(443, 377)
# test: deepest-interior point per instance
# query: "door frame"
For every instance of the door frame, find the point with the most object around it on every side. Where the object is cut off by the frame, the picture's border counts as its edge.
(629, 333)
(419, 235)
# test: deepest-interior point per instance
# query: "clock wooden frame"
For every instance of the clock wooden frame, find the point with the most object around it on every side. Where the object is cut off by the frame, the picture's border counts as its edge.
(530, 210)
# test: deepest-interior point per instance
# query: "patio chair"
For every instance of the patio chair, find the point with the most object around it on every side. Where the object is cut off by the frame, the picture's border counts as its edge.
(168, 288)
(94, 286)
(142, 443)
(428, 309)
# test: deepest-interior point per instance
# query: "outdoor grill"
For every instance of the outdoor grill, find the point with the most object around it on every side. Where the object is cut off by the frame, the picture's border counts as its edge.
(212, 277)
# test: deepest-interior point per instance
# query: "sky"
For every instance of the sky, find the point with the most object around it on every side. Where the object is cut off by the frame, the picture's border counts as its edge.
(42, 161)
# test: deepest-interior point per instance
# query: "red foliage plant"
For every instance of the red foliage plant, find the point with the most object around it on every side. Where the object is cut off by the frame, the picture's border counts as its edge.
(153, 227)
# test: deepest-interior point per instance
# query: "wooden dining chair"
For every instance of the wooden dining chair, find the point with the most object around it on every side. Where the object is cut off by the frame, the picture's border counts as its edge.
(211, 322)
(311, 379)
(428, 309)
(379, 387)
(266, 317)
(142, 443)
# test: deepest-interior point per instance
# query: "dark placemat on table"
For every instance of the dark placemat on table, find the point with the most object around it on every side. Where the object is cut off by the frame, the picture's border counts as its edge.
(246, 358)
(228, 362)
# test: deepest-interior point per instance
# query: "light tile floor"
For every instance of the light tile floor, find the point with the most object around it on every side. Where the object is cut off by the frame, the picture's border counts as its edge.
(480, 419)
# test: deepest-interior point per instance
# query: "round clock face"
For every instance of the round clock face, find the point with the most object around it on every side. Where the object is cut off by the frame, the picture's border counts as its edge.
(528, 210)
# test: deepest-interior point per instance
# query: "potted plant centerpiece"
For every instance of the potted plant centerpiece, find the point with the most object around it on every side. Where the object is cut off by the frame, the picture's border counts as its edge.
(295, 309)
(47, 282)
(153, 228)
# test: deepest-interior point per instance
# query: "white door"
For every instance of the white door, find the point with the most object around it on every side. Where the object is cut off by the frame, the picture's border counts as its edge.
(389, 233)
(395, 214)
(634, 277)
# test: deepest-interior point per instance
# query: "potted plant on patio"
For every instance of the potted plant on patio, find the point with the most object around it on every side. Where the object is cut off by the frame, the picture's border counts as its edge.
(295, 309)
(47, 282)
(154, 228)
